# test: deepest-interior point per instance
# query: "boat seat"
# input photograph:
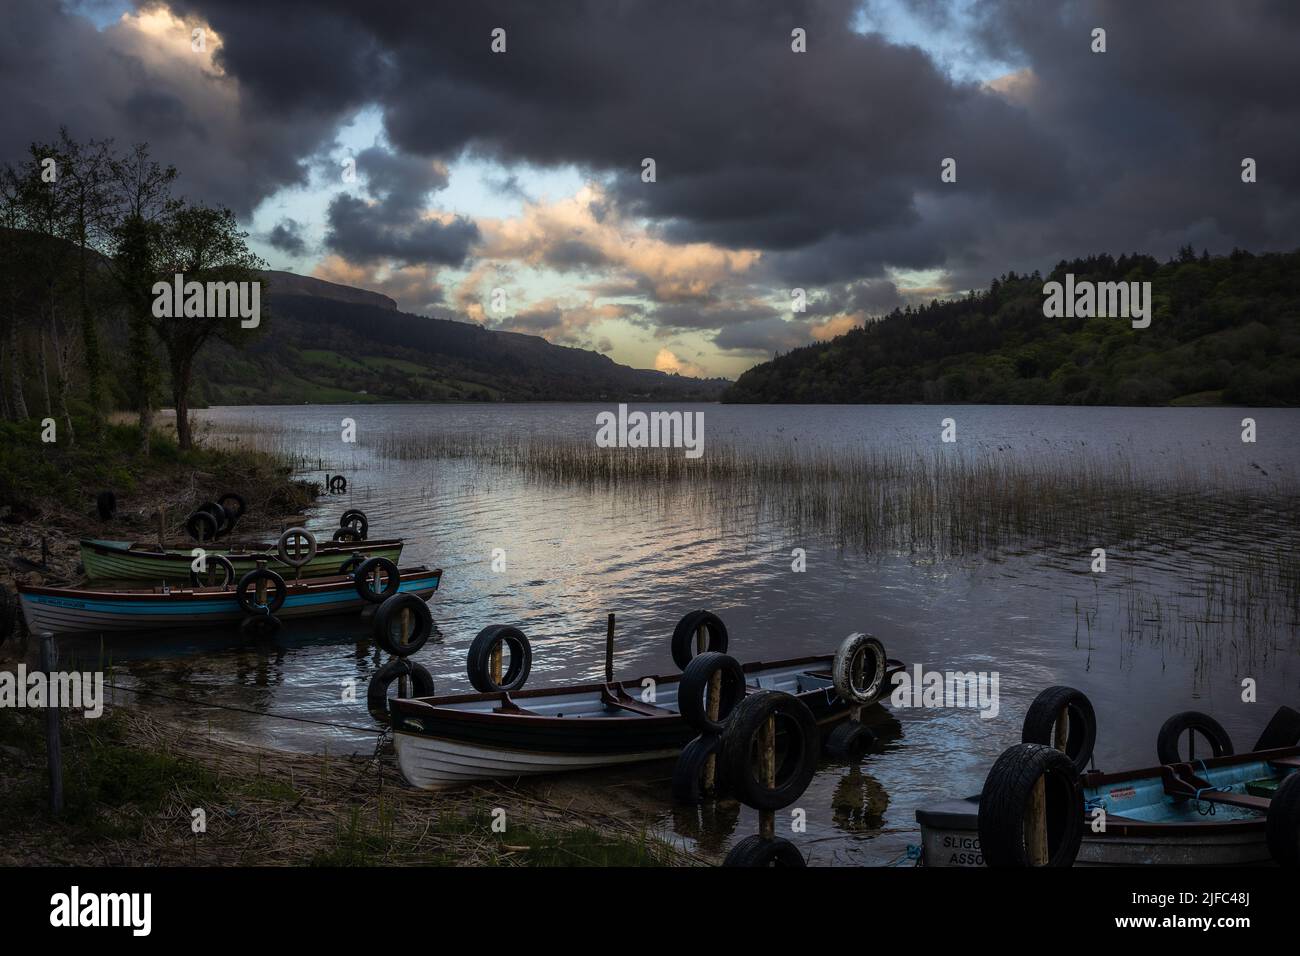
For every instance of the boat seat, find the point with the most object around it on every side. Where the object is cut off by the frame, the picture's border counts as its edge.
(1181, 781)
(615, 696)
(508, 706)
(1235, 800)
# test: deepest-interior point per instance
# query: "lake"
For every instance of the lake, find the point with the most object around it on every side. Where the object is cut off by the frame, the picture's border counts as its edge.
(1144, 640)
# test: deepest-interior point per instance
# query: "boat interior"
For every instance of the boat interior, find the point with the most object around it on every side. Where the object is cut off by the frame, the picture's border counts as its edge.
(624, 698)
(1193, 792)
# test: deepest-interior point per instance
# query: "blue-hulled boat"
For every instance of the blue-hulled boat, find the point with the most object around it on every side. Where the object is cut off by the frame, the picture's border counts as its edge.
(1210, 812)
(72, 610)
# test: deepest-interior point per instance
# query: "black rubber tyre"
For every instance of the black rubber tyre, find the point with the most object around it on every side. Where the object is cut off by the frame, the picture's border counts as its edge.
(858, 669)
(337, 485)
(387, 570)
(347, 534)
(1283, 730)
(288, 539)
(388, 620)
(386, 676)
(692, 692)
(219, 514)
(351, 564)
(234, 505)
(1282, 827)
(796, 728)
(1040, 723)
(258, 627)
(227, 572)
(106, 505)
(478, 662)
(1191, 722)
(356, 519)
(848, 742)
(277, 590)
(202, 526)
(688, 772)
(756, 851)
(684, 636)
(1005, 797)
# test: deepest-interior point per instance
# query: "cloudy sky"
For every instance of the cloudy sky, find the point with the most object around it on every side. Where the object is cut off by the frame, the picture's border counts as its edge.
(522, 171)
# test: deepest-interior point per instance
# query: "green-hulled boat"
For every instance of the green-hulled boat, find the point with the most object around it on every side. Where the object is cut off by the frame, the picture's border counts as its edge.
(124, 561)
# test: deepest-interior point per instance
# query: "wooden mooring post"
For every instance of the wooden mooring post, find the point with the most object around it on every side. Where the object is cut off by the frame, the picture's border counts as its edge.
(767, 751)
(1036, 843)
(713, 703)
(53, 749)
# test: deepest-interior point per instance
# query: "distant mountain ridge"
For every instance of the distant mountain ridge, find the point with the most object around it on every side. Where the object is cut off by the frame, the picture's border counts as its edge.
(328, 342)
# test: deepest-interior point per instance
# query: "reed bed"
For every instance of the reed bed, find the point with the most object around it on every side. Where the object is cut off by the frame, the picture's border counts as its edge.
(946, 504)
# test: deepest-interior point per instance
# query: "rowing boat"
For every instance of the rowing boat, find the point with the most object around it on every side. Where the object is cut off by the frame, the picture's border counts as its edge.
(1210, 812)
(455, 739)
(124, 561)
(70, 610)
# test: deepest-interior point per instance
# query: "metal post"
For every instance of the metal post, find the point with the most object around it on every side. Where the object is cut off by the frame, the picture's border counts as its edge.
(609, 649)
(53, 751)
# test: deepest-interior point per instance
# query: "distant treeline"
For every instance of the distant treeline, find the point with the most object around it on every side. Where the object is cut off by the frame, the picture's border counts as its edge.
(1224, 330)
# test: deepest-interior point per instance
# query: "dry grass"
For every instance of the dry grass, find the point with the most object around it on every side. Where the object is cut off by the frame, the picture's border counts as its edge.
(134, 781)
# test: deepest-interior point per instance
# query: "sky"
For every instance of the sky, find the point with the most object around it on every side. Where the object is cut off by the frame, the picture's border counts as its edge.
(386, 145)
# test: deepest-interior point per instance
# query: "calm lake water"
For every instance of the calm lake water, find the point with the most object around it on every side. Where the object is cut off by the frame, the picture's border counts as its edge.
(1130, 638)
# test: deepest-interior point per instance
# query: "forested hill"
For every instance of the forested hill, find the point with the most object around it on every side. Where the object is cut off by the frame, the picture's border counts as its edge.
(1224, 329)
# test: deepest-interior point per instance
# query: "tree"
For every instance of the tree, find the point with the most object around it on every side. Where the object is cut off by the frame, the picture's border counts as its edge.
(11, 244)
(46, 211)
(87, 171)
(204, 244)
(141, 202)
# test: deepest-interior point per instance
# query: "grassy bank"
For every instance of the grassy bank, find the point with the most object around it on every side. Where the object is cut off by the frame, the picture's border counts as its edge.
(48, 492)
(133, 783)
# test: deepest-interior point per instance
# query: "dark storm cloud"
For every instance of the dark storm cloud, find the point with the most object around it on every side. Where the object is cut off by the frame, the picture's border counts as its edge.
(390, 224)
(286, 236)
(365, 233)
(827, 161)
(761, 337)
(756, 146)
(57, 69)
(685, 316)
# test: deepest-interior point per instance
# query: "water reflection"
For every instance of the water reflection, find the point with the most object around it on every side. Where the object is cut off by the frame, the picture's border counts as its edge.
(1156, 634)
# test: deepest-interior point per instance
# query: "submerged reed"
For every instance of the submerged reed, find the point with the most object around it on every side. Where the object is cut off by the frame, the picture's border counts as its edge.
(947, 503)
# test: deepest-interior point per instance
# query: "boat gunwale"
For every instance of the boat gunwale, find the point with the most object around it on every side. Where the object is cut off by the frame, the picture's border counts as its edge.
(100, 546)
(338, 582)
(416, 707)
